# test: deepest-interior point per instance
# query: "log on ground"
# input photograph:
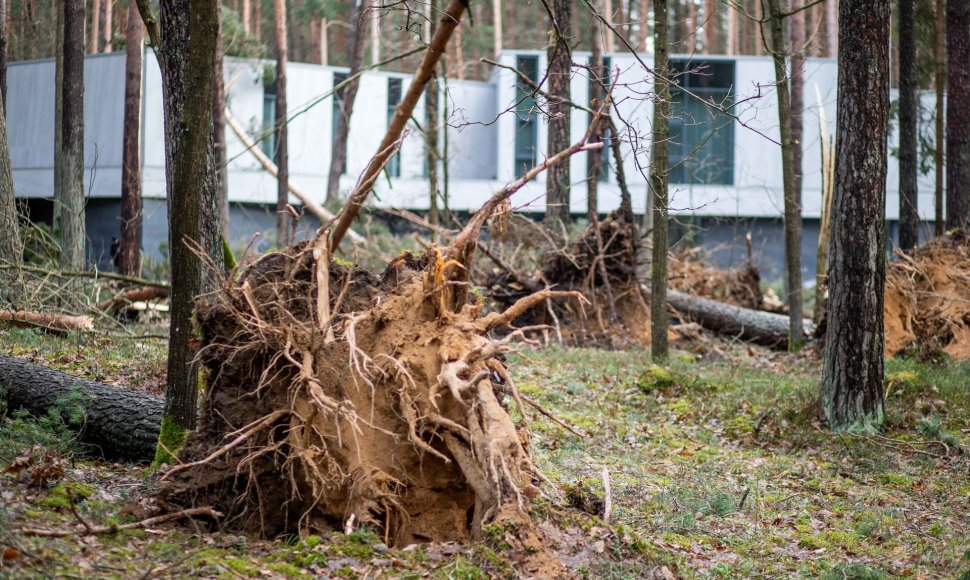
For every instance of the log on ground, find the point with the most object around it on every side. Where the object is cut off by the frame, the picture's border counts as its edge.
(116, 423)
(744, 323)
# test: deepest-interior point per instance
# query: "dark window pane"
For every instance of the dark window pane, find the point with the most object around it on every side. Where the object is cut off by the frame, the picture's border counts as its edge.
(526, 129)
(393, 99)
(701, 137)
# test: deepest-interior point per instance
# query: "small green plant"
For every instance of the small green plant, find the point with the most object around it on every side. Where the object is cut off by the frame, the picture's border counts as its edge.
(932, 428)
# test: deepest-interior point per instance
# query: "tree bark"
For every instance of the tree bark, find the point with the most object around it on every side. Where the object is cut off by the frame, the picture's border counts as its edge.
(594, 159)
(4, 43)
(72, 135)
(219, 160)
(107, 14)
(711, 27)
(797, 82)
(939, 80)
(958, 114)
(793, 212)
(247, 16)
(755, 326)
(852, 373)
(431, 123)
(559, 71)
(643, 28)
(658, 185)
(118, 423)
(908, 87)
(282, 157)
(832, 27)
(11, 249)
(95, 25)
(356, 57)
(58, 185)
(129, 262)
(497, 26)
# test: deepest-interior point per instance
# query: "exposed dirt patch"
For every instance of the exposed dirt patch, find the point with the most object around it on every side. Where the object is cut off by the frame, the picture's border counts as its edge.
(928, 298)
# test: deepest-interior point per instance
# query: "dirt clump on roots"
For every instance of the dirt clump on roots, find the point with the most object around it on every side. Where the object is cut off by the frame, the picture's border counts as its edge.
(927, 300)
(380, 405)
(602, 265)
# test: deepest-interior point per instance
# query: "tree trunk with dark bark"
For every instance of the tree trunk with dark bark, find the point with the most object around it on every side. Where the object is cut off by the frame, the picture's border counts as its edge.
(852, 373)
(4, 42)
(958, 114)
(282, 157)
(559, 71)
(58, 189)
(939, 81)
(793, 210)
(908, 87)
(356, 57)
(658, 185)
(72, 135)
(117, 423)
(129, 261)
(765, 328)
(594, 159)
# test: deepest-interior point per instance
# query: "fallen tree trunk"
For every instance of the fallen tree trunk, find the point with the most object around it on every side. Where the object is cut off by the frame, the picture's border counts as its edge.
(118, 423)
(754, 326)
(133, 295)
(59, 322)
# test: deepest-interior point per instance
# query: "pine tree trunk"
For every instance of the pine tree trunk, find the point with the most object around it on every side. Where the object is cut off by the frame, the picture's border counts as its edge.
(95, 38)
(188, 71)
(908, 214)
(594, 159)
(247, 16)
(58, 185)
(939, 81)
(129, 261)
(793, 212)
(658, 185)
(832, 27)
(219, 160)
(958, 114)
(852, 374)
(282, 158)
(643, 29)
(431, 123)
(72, 134)
(107, 15)
(731, 46)
(711, 26)
(356, 58)
(497, 26)
(10, 245)
(559, 72)
(4, 41)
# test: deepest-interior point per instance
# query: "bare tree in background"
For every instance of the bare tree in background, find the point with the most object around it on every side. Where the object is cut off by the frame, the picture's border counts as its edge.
(793, 209)
(559, 71)
(908, 95)
(72, 139)
(958, 114)
(10, 244)
(356, 57)
(658, 184)
(852, 373)
(282, 159)
(129, 261)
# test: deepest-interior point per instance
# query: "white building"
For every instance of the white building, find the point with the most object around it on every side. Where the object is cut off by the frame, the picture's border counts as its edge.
(729, 180)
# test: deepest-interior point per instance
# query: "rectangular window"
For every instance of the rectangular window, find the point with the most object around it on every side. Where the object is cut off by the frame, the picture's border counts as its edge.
(526, 119)
(603, 82)
(701, 137)
(393, 100)
(338, 96)
(268, 130)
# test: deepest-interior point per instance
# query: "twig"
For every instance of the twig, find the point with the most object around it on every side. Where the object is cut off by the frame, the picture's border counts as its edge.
(189, 513)
(535, 405)
(76, 274)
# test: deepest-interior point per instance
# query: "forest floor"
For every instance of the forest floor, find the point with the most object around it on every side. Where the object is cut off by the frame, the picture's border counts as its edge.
(717, 465)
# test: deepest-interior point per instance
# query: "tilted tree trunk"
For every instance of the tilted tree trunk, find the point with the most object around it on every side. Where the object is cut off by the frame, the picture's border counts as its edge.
(559, 72)
(793, 210)
(658, 184)
(219, 161)
(282, 156)
(72, 135)
(342, 130)
(908, 87)
(958, 114)
(11, 249)
(939, 81)
(852, 373)
(117, 423)
(129, 261)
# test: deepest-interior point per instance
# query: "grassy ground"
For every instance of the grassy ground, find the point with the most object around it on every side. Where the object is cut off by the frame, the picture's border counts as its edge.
(717, 469)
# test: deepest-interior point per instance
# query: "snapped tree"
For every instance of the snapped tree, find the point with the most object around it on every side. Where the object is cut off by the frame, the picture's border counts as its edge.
(852, 372)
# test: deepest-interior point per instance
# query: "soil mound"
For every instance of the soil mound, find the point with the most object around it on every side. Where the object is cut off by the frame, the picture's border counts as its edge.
(927, 301)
